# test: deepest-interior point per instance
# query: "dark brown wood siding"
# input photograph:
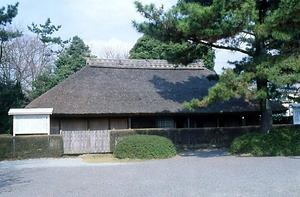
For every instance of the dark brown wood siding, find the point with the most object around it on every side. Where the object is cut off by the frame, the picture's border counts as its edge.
(99, 124)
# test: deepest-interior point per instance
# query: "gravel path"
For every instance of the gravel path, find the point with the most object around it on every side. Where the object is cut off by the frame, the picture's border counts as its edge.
(194, 173)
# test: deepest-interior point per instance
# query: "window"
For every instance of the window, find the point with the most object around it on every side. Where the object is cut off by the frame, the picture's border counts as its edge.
(165, 123)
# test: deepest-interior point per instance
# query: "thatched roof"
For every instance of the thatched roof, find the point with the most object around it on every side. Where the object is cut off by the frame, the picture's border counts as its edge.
(119, 87)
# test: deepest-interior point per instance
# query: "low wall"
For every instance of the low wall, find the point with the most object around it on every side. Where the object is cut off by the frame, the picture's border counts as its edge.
(193, 138)
(189, 138)
(33, 146)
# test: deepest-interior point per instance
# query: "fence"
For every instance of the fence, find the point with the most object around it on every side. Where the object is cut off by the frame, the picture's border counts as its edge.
(79, 142)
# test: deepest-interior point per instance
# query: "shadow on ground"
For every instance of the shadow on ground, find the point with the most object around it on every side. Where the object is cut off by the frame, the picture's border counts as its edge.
(204, 153)
(9, 179)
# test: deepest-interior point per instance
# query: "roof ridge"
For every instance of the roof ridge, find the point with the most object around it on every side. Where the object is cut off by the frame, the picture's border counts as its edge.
(141, 64)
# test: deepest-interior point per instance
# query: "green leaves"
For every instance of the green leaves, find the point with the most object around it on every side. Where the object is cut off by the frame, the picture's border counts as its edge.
(267, 31)
(43, 83)
(69, 61)
(285, 71)
(7, 15)
(177, 53)
(284, 142)
(72, 59)
(144, 147)
(11, 96)
(229, 85)
(45, 31)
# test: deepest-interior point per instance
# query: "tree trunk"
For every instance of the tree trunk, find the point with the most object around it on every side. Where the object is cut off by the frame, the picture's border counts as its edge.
(266, 122)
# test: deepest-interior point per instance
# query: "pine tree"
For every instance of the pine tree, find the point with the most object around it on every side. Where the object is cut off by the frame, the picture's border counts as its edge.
(69, 61)
(72, 59)
(6, 16)
(267, 31)
(149, 48)
(11, 94)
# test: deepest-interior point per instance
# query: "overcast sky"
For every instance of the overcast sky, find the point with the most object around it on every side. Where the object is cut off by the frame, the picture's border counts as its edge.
(100, 23)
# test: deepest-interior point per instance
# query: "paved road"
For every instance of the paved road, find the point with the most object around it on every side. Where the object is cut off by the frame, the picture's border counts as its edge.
(197, 173)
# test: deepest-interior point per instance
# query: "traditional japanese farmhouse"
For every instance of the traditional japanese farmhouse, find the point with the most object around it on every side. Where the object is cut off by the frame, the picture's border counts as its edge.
(123, 94)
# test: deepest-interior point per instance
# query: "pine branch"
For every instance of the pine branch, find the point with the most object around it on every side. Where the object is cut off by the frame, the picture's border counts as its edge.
(226, 47)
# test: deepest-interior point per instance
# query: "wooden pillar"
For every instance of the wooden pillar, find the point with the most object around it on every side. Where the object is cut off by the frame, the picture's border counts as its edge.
(129, 123)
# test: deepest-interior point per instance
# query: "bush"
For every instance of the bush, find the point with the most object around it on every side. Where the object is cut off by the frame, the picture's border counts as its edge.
(283, 142)
(33, 146)
(145, 147)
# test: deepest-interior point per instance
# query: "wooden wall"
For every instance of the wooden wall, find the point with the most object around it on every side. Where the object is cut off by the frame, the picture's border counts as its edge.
(82, 124)
(78, 124)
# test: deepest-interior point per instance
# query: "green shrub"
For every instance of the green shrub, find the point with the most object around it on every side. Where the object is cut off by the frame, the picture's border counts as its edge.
(283, 142)
(145, 147)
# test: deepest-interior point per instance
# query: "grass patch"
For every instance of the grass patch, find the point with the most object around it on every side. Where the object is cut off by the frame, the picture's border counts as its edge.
(283, 142)
(145, 147)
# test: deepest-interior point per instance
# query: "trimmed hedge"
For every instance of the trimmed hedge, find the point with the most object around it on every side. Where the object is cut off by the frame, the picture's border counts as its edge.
(144, 147)
(283, 142)
(34, 146)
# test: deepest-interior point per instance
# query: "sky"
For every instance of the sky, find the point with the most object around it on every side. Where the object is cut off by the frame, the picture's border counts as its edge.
(100, 23)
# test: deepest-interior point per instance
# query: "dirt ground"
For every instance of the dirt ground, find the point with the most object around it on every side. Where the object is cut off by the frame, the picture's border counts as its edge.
(109, 158)
(105, 158)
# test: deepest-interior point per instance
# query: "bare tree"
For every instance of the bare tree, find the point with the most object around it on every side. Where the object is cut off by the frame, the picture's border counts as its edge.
(117, 52)
(24, 58)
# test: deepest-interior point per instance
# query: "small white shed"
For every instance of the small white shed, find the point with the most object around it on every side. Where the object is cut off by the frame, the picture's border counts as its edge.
(296, 113)
(31, 121)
